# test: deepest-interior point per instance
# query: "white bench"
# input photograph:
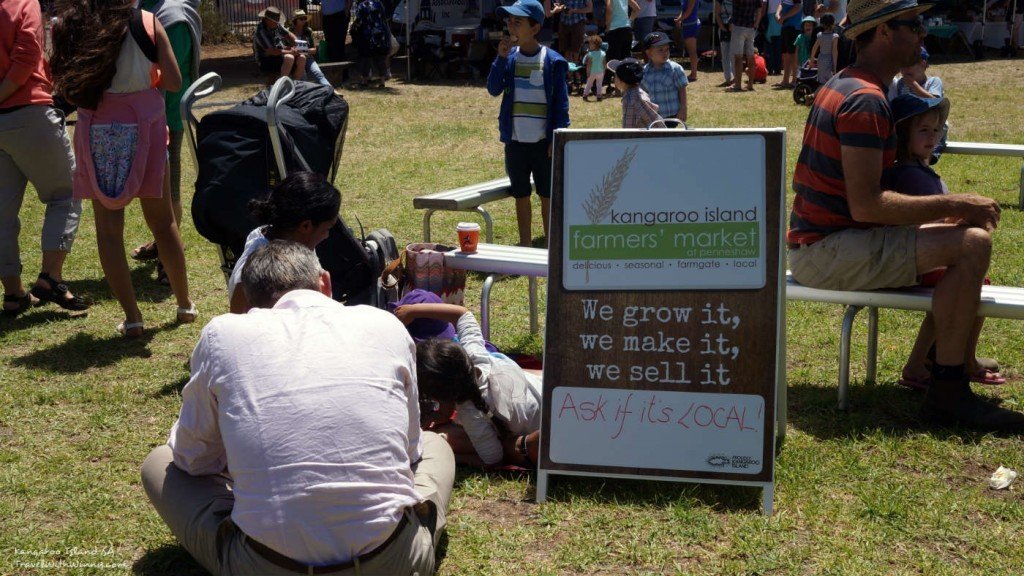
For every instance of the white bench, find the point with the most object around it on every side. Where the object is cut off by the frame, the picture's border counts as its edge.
(497, 259)
(996, 302)
(984, 149)
(466, 199)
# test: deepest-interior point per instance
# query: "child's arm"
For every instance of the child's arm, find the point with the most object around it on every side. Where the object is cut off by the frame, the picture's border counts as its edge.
(633, 10)
(835, 52)
(481, 432)
(915, 88)
(170, 75)
(682, 105)
(815, 49)
(560, 98)
(446, 312)
(497, 78)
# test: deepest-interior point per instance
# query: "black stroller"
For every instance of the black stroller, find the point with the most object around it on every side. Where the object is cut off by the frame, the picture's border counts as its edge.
(242, 152)
(806, 84)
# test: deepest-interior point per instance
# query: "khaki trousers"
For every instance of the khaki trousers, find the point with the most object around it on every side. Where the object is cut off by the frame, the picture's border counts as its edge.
(198, 511)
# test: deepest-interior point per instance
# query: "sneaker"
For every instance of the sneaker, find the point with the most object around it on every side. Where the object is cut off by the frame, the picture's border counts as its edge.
(953, 403)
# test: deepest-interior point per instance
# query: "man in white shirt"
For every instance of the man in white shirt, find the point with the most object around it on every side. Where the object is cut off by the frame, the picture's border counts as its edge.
(298, 448)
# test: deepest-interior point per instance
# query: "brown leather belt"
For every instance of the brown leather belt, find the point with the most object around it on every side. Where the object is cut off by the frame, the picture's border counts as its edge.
(282, 561)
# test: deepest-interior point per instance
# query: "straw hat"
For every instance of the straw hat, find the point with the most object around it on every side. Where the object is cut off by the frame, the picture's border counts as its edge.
(866, 14)
(271, 13)
(299, 13)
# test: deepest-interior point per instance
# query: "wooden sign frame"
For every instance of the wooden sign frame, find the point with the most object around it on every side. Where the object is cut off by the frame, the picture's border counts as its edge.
(675, 379)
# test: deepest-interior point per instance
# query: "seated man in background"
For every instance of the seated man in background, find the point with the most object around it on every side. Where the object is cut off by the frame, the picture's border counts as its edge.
(848, 233)
(271, 43)
(298, 446)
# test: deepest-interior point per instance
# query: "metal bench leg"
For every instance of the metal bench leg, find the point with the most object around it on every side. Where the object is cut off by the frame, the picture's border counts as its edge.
(426, 224)
(488, 224)
(485, 307)
(844, 354)
(872, 343)
(533, 304)
(1021, 197)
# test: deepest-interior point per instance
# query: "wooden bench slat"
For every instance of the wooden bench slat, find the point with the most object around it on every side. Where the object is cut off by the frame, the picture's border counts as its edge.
(467, 197)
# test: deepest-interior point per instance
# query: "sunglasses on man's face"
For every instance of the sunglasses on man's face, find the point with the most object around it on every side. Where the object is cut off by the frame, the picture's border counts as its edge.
(916, 25)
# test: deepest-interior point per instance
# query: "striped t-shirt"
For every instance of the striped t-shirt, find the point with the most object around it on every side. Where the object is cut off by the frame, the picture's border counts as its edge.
(850, 110)
(529, 102)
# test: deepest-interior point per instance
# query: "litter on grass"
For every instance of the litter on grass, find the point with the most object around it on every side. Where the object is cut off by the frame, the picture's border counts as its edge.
(1002, 478)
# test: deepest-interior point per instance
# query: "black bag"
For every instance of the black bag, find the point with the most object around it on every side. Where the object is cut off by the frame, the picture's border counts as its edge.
(385, 281)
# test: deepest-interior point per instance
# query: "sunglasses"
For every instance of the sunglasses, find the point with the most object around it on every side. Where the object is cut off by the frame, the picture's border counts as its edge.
(916, 25)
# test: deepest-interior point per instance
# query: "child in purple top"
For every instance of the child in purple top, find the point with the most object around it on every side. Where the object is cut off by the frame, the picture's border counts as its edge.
(919, 125)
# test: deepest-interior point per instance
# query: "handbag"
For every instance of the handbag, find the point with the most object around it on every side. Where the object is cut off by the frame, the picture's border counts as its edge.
(425, 270)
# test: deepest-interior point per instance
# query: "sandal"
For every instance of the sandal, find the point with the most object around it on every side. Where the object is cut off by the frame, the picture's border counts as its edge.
(59, 294)
(920, 384)
(25, 301)
(187, 315)
(130, 329)
(989, 377)
(145, 252)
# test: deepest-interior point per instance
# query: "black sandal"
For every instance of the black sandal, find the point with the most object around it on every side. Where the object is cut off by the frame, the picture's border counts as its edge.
(58, 294)
(161, 275)
(25, 301)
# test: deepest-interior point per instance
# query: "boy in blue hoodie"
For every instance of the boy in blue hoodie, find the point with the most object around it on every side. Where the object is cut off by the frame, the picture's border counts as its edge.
(535, 101)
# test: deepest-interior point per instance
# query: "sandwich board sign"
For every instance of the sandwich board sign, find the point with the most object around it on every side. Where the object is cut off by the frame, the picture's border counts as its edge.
(664, 344)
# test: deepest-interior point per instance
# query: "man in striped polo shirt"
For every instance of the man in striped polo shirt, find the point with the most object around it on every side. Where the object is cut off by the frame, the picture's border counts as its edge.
(847, 233)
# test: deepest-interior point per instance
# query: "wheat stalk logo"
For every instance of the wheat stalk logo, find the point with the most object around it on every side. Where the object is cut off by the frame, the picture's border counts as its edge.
(602, 197)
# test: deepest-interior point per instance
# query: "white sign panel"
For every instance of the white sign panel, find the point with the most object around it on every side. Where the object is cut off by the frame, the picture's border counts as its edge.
(665, 213)
(665, 430)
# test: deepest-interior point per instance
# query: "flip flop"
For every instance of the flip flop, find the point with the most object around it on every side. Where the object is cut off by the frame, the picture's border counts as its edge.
(734, 89)
(919, 384)
(988, 377)
(187, 315)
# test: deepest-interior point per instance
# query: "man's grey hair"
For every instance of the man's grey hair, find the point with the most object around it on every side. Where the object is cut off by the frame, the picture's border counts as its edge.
(277, 268)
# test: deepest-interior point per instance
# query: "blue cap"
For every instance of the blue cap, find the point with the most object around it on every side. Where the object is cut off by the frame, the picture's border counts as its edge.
(924, 53)
(531, 9)
(906, 106)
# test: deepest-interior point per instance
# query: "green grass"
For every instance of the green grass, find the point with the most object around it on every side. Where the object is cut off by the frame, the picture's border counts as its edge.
(862, 492)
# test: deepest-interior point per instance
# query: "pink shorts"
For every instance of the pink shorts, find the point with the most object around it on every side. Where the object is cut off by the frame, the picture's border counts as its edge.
(121, 149)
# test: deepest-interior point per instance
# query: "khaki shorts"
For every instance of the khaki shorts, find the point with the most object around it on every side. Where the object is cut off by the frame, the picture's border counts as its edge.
(883, 257)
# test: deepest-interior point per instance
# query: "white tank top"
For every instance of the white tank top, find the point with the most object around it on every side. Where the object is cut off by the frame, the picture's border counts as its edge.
(133, 68)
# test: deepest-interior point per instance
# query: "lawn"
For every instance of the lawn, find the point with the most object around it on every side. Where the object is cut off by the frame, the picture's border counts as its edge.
(862, 492)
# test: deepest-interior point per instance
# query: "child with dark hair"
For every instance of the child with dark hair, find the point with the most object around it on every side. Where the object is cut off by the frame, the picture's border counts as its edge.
(919, 125)
(498, 403)
(302, 208)
(531, 79)
(114, 76)
(825, 48)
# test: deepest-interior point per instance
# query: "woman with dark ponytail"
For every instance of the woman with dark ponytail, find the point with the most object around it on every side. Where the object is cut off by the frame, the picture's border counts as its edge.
(498, 403)
(302, 208)
(111, 61)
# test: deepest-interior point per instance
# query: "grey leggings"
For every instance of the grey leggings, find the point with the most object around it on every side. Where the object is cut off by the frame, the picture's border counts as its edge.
(34, 147)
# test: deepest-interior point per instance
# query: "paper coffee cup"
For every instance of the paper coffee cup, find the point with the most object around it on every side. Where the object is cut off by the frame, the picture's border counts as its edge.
(469, 236)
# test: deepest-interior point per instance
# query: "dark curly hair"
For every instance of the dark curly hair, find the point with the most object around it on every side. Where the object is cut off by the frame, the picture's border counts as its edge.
(86, 41)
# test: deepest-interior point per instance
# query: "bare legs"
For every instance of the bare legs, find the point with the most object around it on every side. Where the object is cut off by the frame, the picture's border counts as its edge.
(524, 218)
(159, 217)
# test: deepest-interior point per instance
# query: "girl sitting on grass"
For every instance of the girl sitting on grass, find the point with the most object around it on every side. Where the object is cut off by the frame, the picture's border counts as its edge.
(498, 403)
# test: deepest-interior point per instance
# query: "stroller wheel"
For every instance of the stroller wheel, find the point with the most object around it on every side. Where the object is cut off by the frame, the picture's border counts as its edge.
(801, 94)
